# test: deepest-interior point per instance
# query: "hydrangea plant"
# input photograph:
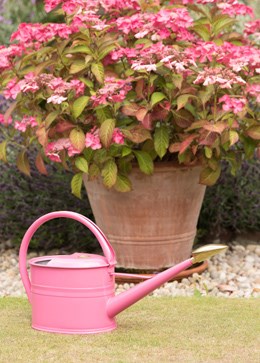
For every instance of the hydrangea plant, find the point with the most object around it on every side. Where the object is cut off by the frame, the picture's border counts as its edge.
(124, 82)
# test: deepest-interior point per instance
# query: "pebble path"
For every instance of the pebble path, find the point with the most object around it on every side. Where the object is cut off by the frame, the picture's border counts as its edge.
(233, 274)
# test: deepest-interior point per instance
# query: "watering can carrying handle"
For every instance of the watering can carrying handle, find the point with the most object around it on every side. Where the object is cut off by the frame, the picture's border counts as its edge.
(104, 243)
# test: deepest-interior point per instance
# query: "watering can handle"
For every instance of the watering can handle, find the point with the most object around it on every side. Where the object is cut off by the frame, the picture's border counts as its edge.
(104, 243)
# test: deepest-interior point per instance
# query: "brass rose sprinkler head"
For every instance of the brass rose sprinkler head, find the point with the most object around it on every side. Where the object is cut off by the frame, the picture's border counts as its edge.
(207, 251)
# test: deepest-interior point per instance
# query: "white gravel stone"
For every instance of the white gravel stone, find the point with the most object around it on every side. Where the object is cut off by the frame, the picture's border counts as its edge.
(236, 274)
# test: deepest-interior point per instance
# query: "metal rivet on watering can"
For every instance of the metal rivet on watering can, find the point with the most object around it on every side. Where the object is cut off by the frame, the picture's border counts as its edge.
(75, 294)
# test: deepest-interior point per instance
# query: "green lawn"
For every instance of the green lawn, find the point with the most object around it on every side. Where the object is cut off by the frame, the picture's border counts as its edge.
(156, 330)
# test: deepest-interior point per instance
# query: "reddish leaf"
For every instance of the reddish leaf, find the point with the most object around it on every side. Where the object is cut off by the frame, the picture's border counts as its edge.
(147, 122)
(42, 135)
(131, 109)
(141, 113)
(139, 88)
(186, 143)
(254, 132)
(63, 126)
(217, 127)
(137, 134)
(40, 164)
(208, 138)
(174, 148)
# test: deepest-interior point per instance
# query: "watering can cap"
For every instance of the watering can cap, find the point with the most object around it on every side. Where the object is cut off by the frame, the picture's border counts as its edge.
(76, 260)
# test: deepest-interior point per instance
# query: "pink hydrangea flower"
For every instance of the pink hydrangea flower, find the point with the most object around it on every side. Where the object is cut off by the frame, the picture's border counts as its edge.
(53, 148)
(234, 8)
(92, 139)
(78, 86)
(114, 90)
(235, 105)
(118, 137)
(254, 90)
(27, 121)
(12, 89)
(219, 76)
(5, 122)
(56, 99)
(29, 83)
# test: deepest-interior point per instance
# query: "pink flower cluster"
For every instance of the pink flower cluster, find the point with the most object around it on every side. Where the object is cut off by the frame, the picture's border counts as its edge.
(253, 28)
(144, 57)
(29, 33)
(27, 121)
(32, 83)
(229, 7)
(114, 90)
(53, 148)
(235, 105)
(5, 122)
(254, 90)
(93, 140)
(234, 8)
(225, 78)
(8, 53)
(158, 26)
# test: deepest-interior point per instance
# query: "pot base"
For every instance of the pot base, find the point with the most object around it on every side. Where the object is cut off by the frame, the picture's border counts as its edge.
(198, 268)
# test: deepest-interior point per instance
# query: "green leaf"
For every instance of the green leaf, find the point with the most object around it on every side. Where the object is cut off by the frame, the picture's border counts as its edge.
(76, 184)
(221, 22)
(123, 184)
(209, 176)
(124, 165)
(145, 161)
(79, 49)
(88, 154)
(161, 140)
(106, 131)
(182, 100)
(22, 163)
(103, 114)
(93, 172)
(3, 151)
(177, 80)
(98, 70)
(77, 66)
(208, 152)
(157, 97)
(126, 151)
(109, 173)
(77, 138)
(82, 164)
(105, 51)
(233, 137)
(79, 106)
(50, 118)
(203, 31)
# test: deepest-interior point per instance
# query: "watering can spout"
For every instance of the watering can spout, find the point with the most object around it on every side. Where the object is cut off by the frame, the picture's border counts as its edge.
(122, 301)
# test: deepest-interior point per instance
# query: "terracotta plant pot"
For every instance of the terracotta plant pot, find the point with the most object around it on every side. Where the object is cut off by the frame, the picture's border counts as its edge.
(153, 226)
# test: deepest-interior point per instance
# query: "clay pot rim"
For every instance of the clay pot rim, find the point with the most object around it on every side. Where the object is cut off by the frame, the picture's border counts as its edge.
(184, 274)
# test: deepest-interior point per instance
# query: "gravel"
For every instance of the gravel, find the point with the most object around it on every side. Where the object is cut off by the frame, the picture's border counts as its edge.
(235, 274)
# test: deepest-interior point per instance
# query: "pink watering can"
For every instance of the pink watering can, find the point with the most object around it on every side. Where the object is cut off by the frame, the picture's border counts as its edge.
(75, 294)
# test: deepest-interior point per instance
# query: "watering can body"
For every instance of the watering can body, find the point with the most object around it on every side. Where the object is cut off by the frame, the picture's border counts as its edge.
(71, 299)
(75, 294)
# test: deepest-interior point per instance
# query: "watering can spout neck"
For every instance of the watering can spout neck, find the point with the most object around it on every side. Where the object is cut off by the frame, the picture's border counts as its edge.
(122, 301)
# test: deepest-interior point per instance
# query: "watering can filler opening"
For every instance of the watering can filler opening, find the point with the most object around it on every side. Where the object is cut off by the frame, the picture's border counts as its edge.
(75, 294)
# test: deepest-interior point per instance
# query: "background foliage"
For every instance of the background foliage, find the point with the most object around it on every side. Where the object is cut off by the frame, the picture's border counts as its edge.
(232, 204)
